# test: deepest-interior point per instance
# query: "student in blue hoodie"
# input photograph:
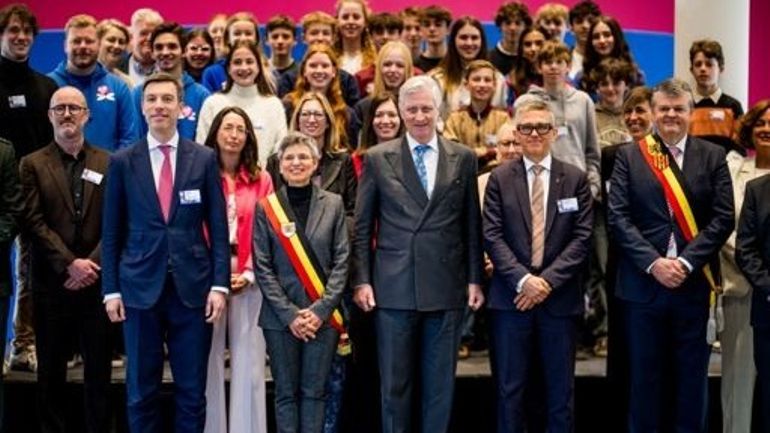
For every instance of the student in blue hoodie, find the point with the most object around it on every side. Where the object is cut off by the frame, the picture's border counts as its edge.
(166, 43)
(113, 118)
(240, 26)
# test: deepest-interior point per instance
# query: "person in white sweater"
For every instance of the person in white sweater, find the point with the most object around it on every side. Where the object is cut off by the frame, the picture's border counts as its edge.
(248, 87)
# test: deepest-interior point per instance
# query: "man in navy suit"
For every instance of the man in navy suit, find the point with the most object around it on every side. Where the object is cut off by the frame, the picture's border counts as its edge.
(165, 260)
(662, 277)
(537, 228)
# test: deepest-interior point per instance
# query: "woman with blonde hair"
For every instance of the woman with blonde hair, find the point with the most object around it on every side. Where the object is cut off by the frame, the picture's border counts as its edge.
(113, 38)
(354, 45)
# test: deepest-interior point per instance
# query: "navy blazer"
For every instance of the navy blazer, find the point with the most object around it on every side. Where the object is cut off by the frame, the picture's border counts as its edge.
(752, 252)
(639, 219)
(507, 219)
(139, 248)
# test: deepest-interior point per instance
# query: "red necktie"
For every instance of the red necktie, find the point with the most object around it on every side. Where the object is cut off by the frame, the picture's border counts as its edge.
(166, 182)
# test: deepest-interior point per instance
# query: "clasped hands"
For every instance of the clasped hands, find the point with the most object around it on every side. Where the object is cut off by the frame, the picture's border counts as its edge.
(669, 272)
(305, 325)
(81, 273)
(534, 291)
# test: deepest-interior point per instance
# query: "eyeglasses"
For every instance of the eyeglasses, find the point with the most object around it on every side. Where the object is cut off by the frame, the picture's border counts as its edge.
(507, 143)
(309, 114)
(541, 128)
(61, 109)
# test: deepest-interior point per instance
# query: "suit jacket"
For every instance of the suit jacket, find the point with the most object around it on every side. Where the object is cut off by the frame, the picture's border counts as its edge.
(753, 247)
(50, 213)
(639, 219)
(283, 291)
(139, 248)
(508, 235)
(427, 250)
(11, 207)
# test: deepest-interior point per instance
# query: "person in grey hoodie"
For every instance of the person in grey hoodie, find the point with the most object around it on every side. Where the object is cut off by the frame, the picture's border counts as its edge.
(112, 121)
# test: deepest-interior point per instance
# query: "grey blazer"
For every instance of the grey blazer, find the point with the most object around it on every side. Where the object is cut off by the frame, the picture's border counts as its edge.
(284, 293)
(426, 250)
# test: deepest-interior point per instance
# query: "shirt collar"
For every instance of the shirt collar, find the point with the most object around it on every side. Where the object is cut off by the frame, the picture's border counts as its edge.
(681, 144)
(152, 143)
(713, 96)
(545, 163)
(433, 143)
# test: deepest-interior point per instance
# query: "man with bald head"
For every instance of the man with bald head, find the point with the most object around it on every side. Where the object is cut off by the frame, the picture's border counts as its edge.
(62, 186)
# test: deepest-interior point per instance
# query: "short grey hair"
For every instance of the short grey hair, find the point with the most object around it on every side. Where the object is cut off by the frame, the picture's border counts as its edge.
(419, 83)
(297, 138)
(673, 88)
(536, 104)
(144, 15)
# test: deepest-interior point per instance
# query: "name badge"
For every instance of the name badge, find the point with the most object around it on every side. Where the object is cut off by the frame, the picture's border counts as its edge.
(717, 115)
(17, 101)
(562, 131)
(566, 205)
(191, 196)
(92, 176)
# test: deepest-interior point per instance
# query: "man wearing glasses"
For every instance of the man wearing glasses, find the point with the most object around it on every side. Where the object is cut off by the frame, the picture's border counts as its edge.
(535, 293)
(63, 186)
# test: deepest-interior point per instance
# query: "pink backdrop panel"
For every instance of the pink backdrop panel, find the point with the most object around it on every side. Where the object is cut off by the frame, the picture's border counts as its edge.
(759, 61)
(651, 15)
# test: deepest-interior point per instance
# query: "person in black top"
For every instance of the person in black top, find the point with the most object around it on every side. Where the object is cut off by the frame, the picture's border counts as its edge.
(511, 18)
(434, 25)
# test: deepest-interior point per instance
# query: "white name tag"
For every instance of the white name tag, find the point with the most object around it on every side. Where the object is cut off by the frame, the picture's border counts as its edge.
(92, 176)
(191, 196)
(17, 101)
(567, 205)
(562, 131)
(717, 115)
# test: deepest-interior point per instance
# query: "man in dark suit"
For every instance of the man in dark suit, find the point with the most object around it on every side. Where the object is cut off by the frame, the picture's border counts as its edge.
(63, 187)
(662, 272)
(537, 229)
(418, 198)
(752, 254)
(166, 260)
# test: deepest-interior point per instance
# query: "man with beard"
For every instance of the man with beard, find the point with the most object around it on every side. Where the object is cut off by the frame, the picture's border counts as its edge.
(63, 186)
(140, 63)
(113, 118)
(166, 43)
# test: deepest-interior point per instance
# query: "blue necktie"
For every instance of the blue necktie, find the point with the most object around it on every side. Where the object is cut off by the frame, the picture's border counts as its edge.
(419, 164)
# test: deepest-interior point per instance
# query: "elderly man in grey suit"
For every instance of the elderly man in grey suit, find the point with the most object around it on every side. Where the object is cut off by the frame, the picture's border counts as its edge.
(418, 202)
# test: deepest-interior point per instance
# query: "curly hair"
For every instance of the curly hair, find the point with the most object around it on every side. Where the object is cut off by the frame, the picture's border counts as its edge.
(749, 120)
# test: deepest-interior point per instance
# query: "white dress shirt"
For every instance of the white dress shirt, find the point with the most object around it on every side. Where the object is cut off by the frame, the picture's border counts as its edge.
(430, 158)
(545, 177)
(156, 156)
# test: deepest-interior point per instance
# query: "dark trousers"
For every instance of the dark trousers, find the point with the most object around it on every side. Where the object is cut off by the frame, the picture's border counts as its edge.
(667, 337)
(414, 345)
(188, 338)
(516, 336)
(62, 316)
(762, 362)
(300, 371)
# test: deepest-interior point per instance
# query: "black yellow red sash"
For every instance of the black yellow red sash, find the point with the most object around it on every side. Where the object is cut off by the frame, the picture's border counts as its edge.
(671, 180)
(300, 254)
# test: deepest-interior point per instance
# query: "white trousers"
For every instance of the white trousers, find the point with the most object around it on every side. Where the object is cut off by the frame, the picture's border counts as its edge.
(247, 368)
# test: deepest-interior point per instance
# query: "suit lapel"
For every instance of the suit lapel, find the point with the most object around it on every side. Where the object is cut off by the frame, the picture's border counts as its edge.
(521, 188)
(88, 187)
(445, 172)
(554, 192)
(330, 170)
(315, 213)
(56, 168)
(403, 166)
(142, 168)
(184, 160)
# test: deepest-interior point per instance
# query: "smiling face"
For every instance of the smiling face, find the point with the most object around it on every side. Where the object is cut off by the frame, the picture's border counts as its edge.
(351, 19)
(602, 39)
(420, 114)
(167, 52)
(217, 31)
(198, 53)
(243, 67)
(297, 165)
(243, 30)
(386, 122)
(481, 84)
(393, 70)
(140, 39)
(16, 40)
(312, 119)
(531, 45)
(319, 72)
(534, 145)
(319, 34)
(231, 136)
(508, 149)
(468, 42)
(760, 134)
(68, 126)
(82, 47)
(112, 47)
(671, 115)
(638, 120)
(161, 107)
(612, 92)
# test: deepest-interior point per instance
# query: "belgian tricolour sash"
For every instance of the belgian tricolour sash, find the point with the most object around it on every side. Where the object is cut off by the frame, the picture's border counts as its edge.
(670, 177)
(303, 260)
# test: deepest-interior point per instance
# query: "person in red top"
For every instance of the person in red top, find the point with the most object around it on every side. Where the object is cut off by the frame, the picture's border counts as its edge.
(244, 183)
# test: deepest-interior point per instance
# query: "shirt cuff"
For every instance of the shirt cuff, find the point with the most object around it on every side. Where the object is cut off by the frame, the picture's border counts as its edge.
(111, 296)
(220, 289)
(248, 275)
(685, 263)
(523, 280)
(649, 268)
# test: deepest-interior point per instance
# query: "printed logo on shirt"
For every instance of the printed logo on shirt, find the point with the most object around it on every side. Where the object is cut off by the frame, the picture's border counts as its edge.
(103, 93)
(187, 113)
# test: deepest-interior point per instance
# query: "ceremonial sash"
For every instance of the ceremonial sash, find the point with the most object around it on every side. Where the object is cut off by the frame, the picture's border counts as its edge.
(303, 260)
(671, 180)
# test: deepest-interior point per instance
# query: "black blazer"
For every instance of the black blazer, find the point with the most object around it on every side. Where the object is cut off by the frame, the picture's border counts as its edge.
(639, 219)
(753, 247)
(507, 221)
(10, 211)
